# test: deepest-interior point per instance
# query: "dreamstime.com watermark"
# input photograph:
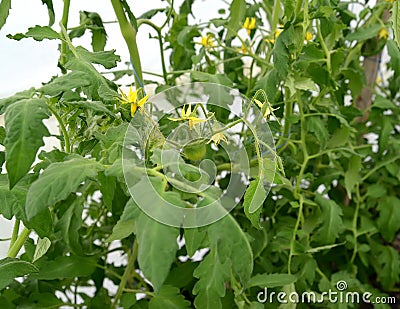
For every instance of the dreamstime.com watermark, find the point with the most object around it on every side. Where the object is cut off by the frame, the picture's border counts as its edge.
(340, 296)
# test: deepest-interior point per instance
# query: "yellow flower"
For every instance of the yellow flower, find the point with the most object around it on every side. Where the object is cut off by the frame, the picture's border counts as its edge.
(131, 98)
(309, 36)
(217, 138)
(249, 24)
(383, 33)
(276, 34)
(207, 41)
(189, 115)
(378, 80)
(268, 109)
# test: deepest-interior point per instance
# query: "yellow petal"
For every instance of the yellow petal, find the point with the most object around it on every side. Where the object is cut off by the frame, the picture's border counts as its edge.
(174, 119)
(309, 36)
(260, 105)
(143, 100)
(133, 109)
(246, 23)
(132, 96)
(252, 23)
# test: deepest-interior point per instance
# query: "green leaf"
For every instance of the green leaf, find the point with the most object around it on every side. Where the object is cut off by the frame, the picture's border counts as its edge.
(50, 9)
(388, 268)
(194, 240)
(42, 246)
(211, 286)
(395, 21)
(383, 103)
(234, 245)
(157, 246)
(271, 280)
(363, 34)
(38, 33)
(107, 59)
(126, 224)
(332, 223)
(66, 82)
(11, 268)
(253, 201)
(65, 267)
(24, 136)
(96, 106)
(4, 103)
(168, 297)
(388, 220)
(5, 6)
(236, 16)
(57, 182)
(305, 83)
(69, 225)
(352, 175)
(318, 127)
(8, 202)
(339, 137)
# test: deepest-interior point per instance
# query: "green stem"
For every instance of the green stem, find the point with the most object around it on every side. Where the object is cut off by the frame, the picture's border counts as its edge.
(64, 22)
(354, 225)
(159, 37)
(324, 48)
(67, 147)
(19, 242)
(275, 17)
(15, 232)
(127, 274)
(129, 34)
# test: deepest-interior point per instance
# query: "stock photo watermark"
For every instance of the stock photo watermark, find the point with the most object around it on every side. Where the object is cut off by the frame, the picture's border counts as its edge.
(340, 296)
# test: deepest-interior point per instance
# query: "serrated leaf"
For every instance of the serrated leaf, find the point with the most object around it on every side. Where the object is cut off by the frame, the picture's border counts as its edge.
(363, 34)
(253, 200)
(11, 268)
(65, 267)
(107, 59)
(24, 136)
(42, 246)
(96, 106)
(4, 103)
(194, 239)
(8, 202)
(66, 82)
(395, 21)
(57, 182)
(389, 266)
(38, 33)
(157, 244)
(234, 245)
(332, 223)
(5, 6)
(69, 225)
(352, 175)
(317, 126)
(303, 83)
(236, 16)
(388, 220)
(126, 224)
(271, 280)
(168, 297)
(339, 137)
(212, 275)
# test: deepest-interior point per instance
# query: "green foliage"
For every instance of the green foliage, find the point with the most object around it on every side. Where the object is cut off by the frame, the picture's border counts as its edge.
(321, 207)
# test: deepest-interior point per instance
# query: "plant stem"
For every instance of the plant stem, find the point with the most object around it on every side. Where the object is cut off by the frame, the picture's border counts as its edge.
(127, 272)
(159, 37)
(16, 247)
(64, 22)
(67, 146)
(129, 34)
(15, 232)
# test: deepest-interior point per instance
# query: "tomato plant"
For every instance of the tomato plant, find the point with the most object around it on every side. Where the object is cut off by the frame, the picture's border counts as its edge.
(275, 167)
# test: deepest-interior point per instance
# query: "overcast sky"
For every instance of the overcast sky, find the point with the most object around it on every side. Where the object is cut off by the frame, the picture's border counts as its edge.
(28, 63)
